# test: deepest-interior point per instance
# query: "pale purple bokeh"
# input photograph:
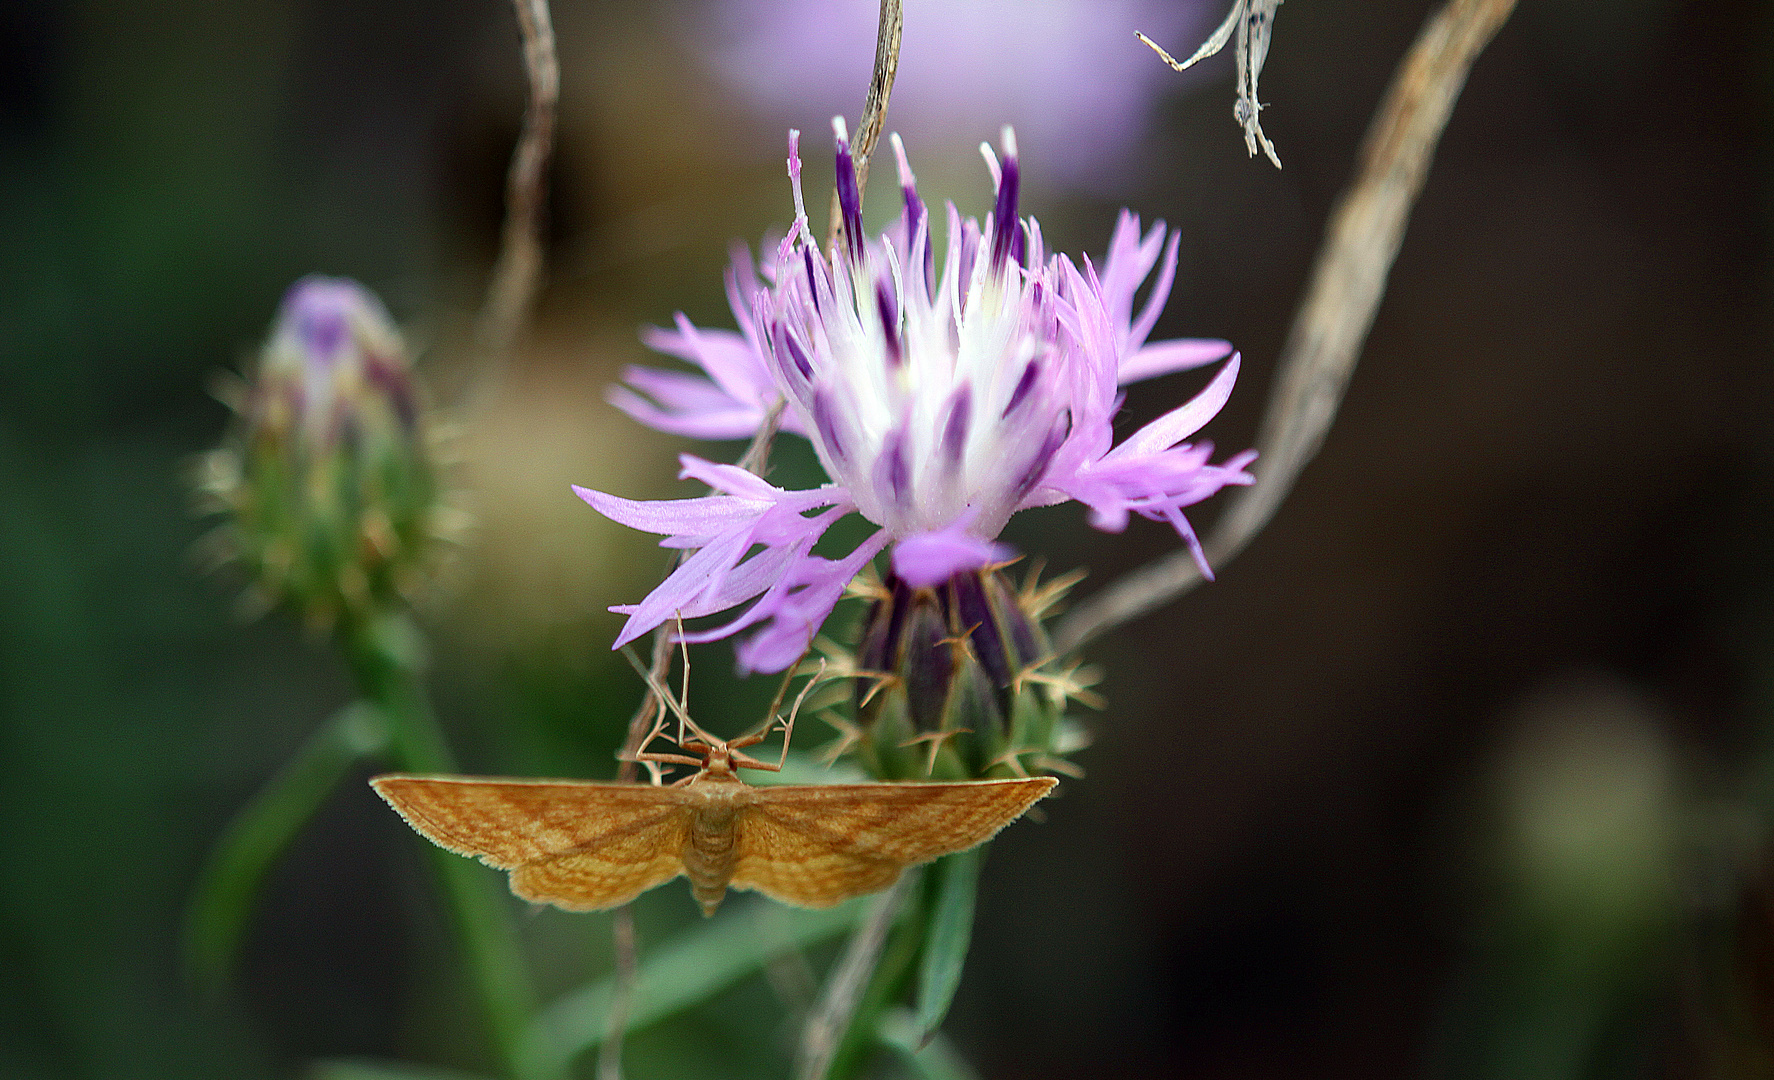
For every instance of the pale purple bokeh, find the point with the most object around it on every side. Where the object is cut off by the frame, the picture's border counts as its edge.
(1069, 75)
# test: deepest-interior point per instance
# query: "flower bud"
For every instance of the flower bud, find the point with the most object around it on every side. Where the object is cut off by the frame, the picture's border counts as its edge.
(328, 474)
(957, 681)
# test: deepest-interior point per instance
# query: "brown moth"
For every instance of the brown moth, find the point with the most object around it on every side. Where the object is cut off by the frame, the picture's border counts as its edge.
(586, 846)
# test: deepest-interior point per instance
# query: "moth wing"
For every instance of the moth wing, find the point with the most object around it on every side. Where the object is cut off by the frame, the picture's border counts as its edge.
(816, 845)
(577, 845)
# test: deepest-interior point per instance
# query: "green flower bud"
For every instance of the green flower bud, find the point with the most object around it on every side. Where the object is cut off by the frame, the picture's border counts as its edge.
(328, 475)
(958, 681)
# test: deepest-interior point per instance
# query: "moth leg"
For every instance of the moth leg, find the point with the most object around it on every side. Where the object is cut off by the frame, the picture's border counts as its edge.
(653, 760)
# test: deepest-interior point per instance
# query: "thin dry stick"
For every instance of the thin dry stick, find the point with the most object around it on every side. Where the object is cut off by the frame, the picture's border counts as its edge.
(830, 1019)
(642, 721)
(874, 109)
(518, 270)
(843, 987)
(609, 1059)
(609, 1055)
(1360, 244)
(756, 459)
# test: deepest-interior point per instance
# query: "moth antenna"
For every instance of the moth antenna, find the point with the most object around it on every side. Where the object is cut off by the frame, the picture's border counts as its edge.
(696, 732)
(684, 694)
(788, 726)
(681, 704)
(661, 692)
(788, 678)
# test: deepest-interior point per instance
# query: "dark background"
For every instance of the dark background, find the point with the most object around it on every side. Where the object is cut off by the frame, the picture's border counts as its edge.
(1491, 694)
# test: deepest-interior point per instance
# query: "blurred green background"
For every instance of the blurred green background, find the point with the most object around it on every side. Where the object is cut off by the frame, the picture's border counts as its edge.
(1462, 770)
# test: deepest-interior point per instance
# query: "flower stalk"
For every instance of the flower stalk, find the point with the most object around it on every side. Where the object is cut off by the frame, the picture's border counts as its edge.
(386, 655)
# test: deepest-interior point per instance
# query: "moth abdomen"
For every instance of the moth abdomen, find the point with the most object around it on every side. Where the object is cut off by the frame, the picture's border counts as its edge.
(710, 855)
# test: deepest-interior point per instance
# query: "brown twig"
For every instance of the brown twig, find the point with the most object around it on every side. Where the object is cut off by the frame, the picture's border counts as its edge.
(641, 723)
(1360, 244)
(874, 109)
(639, 726)
(518, 270)
(825, 1027)
(756, 459)
(609, 1055)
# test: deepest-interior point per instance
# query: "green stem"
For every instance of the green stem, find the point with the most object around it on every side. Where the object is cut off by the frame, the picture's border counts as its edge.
(386, 654)
(223, 899)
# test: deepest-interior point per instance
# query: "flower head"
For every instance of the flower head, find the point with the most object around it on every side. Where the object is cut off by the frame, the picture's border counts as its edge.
(940, 400)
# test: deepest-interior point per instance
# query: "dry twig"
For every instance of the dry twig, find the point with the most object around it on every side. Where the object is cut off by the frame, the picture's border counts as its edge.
(1360, 244)
(518, 271)
(609, 1055)
(830, 1019)
(622, 924)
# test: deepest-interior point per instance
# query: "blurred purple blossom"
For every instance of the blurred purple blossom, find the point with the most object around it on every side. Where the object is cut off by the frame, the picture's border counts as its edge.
(335, 361)
(1069, 75)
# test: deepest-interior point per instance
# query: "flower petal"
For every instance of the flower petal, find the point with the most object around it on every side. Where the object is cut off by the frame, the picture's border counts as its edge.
(727, 357)
(722, 419)
(675, 517)
(1179, 354)
(1184, 420)
(931, 558)
(803, 609)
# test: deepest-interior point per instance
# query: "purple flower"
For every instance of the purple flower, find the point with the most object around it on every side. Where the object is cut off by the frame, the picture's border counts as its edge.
(941, 400)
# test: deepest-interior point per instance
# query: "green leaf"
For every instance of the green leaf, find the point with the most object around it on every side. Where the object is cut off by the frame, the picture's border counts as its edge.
(229, 883)
(690, 968)
(366, 1069)
(951, 930)
(935, 1059)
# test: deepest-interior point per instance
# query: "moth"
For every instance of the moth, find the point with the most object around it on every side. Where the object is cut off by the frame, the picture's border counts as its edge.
(587, 846)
